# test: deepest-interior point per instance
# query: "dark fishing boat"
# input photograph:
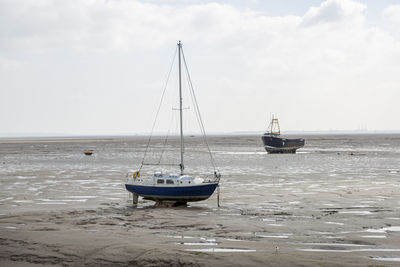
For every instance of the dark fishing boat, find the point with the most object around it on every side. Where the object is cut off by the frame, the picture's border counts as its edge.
(275, 144)
(88, 152)
(164, 186)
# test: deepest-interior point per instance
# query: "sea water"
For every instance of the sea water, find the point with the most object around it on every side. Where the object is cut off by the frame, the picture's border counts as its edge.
(56, 173)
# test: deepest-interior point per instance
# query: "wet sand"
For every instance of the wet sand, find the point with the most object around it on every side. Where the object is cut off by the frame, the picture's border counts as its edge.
(321, 207)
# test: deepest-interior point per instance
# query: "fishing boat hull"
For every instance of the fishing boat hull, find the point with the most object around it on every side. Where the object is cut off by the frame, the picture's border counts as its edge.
(175, 193)
(278, 145)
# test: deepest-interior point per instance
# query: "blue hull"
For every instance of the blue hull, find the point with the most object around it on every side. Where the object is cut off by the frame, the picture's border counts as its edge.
(181, 194)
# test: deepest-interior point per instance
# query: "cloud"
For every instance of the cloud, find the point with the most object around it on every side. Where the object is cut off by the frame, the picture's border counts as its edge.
(328, 62)
(9, 64)
(335, 11)
(392, 12)
(111, 25)
(124, 25)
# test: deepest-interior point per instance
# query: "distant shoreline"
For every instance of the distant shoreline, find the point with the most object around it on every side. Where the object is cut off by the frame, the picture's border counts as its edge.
(100, 138)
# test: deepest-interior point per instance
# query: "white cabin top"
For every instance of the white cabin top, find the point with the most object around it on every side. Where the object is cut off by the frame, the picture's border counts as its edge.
(165, 179)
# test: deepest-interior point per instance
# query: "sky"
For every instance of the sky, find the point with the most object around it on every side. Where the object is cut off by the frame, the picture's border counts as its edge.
(99, 67)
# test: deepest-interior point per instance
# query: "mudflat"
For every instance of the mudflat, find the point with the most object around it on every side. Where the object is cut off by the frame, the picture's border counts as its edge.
(335, 203)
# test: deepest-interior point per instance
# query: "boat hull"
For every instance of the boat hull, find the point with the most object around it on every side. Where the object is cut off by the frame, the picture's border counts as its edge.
(173, 193)
(278, 145)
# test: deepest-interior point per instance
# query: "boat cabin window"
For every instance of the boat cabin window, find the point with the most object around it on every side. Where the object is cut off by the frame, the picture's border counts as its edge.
(160, 181)
(169, 181)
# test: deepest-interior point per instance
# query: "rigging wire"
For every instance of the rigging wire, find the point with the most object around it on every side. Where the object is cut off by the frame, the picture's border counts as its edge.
(158, 110)
(166, 140)
(197, 112)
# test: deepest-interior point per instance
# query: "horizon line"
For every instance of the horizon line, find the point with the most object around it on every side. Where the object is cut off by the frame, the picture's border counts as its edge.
(79, 135)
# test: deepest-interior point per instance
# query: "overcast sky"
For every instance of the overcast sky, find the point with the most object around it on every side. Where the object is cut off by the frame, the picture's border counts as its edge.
(99, 67)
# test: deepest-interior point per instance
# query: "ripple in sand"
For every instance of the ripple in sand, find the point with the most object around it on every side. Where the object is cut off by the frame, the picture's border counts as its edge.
(7, 198)
(208, 239)
(334, 237)
(221, 250)
(232, 239)
(373, 236)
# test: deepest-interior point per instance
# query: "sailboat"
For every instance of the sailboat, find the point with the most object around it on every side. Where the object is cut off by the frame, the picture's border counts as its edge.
(181, 187)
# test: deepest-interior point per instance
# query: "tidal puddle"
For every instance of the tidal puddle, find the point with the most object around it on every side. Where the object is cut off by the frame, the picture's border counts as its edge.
(384, 230)
(23, 201)
(240, 153)
(52, 203)
(334, 244)
(268, 220)
(338, 223)
(385, 259)
(83, 197)
(196, 244)
(221, 250)
(392, 229)
(375, 231)
(350, 250)
(273, 236)
(360, 212)
(179, 236)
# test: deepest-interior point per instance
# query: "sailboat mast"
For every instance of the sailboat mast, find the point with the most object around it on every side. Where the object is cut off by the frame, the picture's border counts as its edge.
(180, 106)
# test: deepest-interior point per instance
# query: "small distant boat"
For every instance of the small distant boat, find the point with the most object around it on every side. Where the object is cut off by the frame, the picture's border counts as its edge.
(88, 152)
(173, 187)
(275, 144)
